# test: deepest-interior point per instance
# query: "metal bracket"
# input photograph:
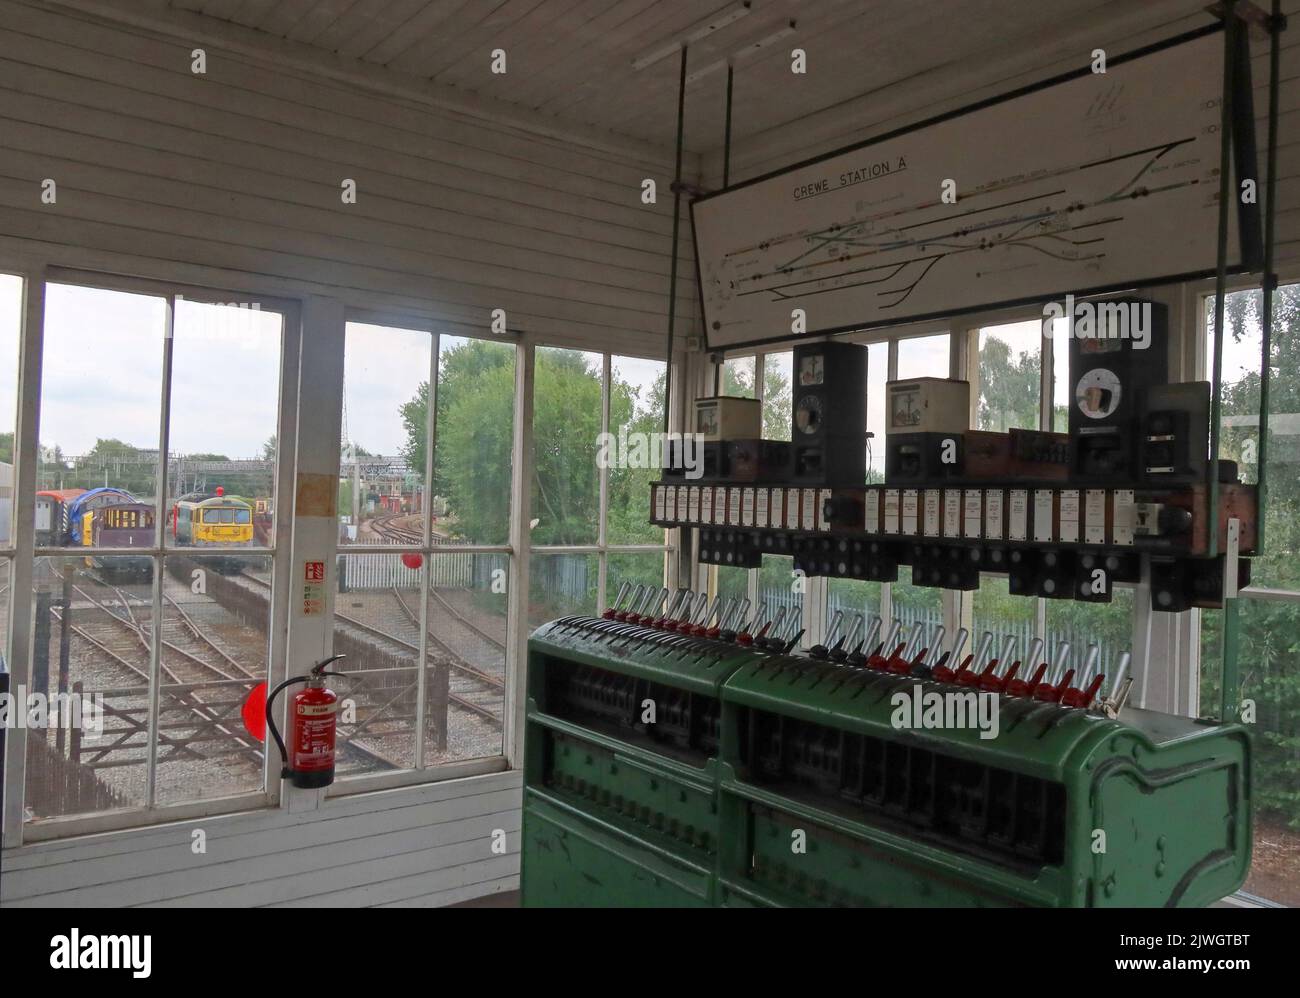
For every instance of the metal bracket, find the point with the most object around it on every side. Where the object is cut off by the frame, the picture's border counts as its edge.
(1256, 18)
(1230, 555)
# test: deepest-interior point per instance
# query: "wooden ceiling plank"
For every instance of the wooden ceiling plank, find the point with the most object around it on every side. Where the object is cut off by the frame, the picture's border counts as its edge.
(598, 18)
(530, 31)
(474, 22)
(320, 18)
(284, 16)
(434, 14)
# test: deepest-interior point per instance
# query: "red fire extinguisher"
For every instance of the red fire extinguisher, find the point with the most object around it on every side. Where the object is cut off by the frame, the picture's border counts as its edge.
(309, 763)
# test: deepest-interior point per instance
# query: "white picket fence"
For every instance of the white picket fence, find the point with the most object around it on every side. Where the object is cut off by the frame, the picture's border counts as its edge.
(383, 571)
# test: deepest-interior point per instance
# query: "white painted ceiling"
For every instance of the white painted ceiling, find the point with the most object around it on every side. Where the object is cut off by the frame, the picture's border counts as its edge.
(573, 60)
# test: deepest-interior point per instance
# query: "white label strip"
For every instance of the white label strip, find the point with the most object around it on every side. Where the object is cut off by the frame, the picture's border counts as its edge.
(1043, 510)
(1094, 517)
(670, 503)
(1018, 525)
(974, 512)
(733, 507)
(792, 508)
(660, 492)
(808, 502)
(993, 502)
(952, 512)
(823, 497)
(760, 507)
(778, 508)
(911, 500)
(1123, 519)
(1069, 516)
(693, 503)
(872, 505)
(891, 511)
(746, 507)
(932, 512)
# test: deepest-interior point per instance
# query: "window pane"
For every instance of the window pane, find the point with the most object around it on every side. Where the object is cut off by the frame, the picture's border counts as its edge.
(923, 357)
(385, 403)
(219, 440)
(914, 605)
(778, 376)
(474, 433)
(466, 677)
(1060, 375)
(636, 413)
(561, 584)
(1010, 358)
(877, 376)
(732, 582)
(1270, 677)
(853, 596)
(101, 391)
(738, 377)
(11, 306)
(377, 625)
(1279, 565)
(96, 620)
(995, 609)
(6, 574)
(216, 632)
(566, 431)
(1107, 625)
(776, 587)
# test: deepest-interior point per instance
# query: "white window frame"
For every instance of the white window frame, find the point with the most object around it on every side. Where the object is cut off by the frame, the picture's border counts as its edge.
(36, 278)
(602, 548)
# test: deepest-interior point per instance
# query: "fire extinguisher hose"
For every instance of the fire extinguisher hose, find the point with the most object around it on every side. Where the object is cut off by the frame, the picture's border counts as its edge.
(317, 670)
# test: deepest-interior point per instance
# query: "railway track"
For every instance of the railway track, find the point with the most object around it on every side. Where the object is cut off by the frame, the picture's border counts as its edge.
(477, 692)
(199, 676)
(471, 688)
(388, 530)
(196, 688)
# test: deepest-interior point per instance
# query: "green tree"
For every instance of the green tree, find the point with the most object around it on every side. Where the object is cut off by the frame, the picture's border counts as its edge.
(1008, 387)
(7, 448)
(1269, 646)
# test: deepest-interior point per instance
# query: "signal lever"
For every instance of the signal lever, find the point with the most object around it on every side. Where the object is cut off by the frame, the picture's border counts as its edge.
(921, 667)
(941, 670)
(822, 651)
(1080, 695)
(842, 647)
(1021, 687)
(1049, 691)
(968, 674)
(613, 607)
(856, 659)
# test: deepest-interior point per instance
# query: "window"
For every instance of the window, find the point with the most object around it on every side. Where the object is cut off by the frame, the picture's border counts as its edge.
(169, 641)
(1010, 372)
(597, 446)
(1269, 629)
(421, 601)
(11, 305)
(738, 377)
(918, 357)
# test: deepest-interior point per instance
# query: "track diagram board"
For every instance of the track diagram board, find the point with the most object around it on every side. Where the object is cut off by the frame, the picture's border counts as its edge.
(1097, 181)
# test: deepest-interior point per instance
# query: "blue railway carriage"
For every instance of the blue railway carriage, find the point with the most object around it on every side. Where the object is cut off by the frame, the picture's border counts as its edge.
(78, 513)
